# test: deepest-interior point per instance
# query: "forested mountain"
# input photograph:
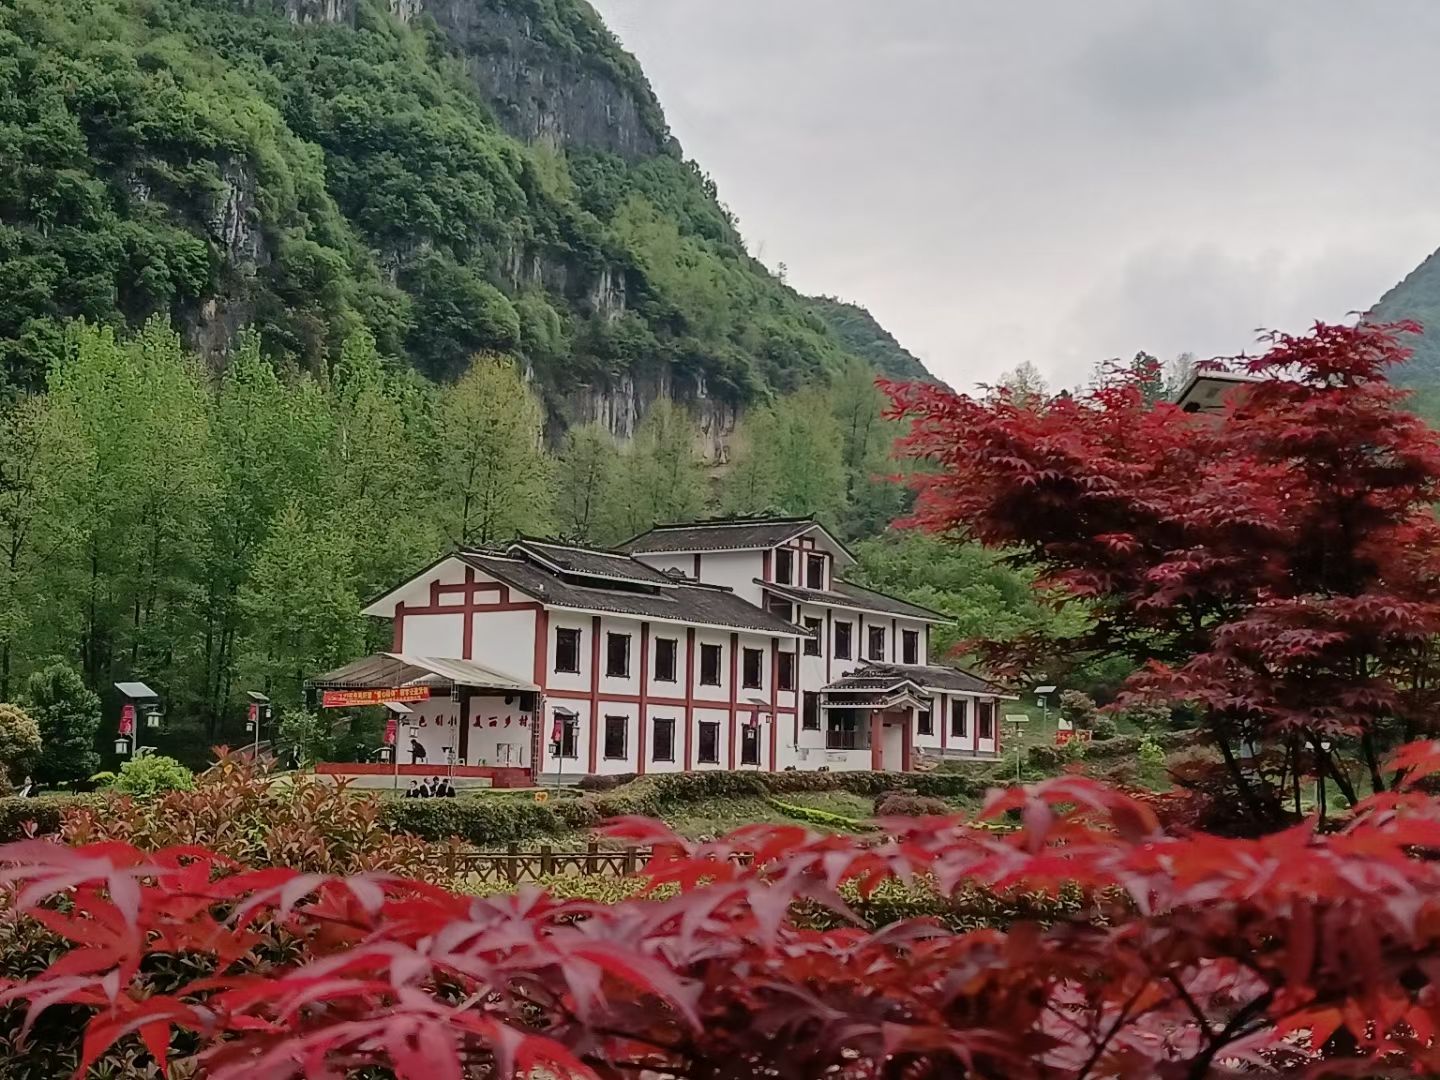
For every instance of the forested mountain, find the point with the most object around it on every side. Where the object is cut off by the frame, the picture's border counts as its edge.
(455, 176)
(1417, 297)
(862, 335)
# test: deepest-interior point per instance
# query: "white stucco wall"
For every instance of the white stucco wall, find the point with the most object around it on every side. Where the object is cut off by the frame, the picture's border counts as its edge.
(434, 635)
(504, 642)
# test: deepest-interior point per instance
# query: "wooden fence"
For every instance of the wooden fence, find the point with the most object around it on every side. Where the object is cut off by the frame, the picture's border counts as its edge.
(514, 866)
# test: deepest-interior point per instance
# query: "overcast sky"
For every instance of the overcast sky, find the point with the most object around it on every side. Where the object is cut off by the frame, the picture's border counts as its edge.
(1063, 181)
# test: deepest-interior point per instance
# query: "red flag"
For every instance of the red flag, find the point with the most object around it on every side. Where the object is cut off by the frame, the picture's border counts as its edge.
(127, 719)
(390, 730)
(556, 732)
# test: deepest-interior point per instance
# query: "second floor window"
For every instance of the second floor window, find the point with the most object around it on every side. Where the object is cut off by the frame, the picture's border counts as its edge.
(709, 665)
(784, 566)
(842, 641)
(875, 649)
(666, 649)
(815, 571)
(567, 650)
(909, 647)
(753, 661)
(812, 643)
(787, 671)
(617, 655)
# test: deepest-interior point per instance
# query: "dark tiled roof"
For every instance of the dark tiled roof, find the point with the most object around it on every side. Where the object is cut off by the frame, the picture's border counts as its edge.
(933, 676)
(853, 596)
(676, 601)
(591, 562)
(730, 534)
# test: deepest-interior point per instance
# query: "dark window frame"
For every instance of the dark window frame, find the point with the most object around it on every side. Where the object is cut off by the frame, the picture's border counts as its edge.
(871, 652)
(612, 637)
(816, 628)
(657, 725)
(789, 563)
(568, 634)
(674, 654)
(810, 710)
(959, 717)
(815, 572)
(624, 738)
(985, 719)
(910, 646)
(757, 656)
(848, 652)
(706, 652)
(786, 679)
(707, 726)
(925, 722)
(845, 731)
(750, 737)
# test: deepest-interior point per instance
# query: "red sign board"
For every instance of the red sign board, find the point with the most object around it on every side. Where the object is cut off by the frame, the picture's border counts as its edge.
(343, 699)
(127, 719)
(390, 730)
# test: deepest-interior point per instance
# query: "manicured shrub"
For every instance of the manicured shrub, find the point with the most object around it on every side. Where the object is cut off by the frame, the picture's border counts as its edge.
(1104, 727)
(909, 804)
(44, 813)
(19, 743)
(604, 781)
(153, 775)
(1122, 746)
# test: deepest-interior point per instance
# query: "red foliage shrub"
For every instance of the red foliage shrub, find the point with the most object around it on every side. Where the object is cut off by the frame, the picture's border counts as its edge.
(1298, 951)
(1277, 565)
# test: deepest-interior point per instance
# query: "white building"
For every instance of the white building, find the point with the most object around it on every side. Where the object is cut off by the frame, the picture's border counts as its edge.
(730, 644)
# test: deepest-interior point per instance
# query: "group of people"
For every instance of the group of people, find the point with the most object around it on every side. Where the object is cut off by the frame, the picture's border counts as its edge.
(434, 788)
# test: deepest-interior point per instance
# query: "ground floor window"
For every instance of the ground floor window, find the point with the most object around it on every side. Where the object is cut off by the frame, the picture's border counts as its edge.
(985, 719)
(709, 750)
(616, 730)
(810, 713)
(750, 744)
(927, 723)
(847, 729)
(662, 742)
(959, 714)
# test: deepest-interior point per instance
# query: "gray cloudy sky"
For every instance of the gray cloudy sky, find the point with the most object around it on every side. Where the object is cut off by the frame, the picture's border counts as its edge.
(1063, 181)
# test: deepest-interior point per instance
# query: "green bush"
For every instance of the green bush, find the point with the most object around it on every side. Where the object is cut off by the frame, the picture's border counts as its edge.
(604, 781)
(1122, 746)
(816, 816)
(19, 743)
(43, 811)
(480, 820)
(907, 804)
(153, 775)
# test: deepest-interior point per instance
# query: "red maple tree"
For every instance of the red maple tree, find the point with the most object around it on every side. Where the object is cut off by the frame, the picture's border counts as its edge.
(1301, 952)
(1277, 564)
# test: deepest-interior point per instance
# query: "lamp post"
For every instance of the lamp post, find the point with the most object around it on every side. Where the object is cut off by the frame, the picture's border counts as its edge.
(258, 714)
(140, 709)
(1324, 756)
(1042, 695)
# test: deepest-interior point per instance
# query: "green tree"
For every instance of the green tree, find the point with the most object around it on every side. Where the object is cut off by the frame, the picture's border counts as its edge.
(44, 462)
(494, 476)
(68, 715)
(142, 407)
(271, 439)
(793, 460)
(301, 609)
(20, 741)
(1026, 385)
(661, 477)
(585, 469)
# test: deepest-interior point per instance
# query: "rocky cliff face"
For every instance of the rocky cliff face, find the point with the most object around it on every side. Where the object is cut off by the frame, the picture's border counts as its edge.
(540, 91)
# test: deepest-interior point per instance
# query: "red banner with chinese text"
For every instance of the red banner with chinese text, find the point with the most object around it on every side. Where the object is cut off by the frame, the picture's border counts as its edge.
(341, 699)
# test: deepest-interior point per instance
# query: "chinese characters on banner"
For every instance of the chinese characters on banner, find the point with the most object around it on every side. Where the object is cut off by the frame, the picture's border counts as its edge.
(344, 699)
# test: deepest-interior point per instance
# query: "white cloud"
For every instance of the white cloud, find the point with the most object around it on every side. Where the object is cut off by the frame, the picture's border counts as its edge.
(1063, 182)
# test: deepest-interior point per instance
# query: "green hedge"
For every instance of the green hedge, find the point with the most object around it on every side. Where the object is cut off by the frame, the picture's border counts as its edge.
(44, 810)
(890, 902)
(490, 819)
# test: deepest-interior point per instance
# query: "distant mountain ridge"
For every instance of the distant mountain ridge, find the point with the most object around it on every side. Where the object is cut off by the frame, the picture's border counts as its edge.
(866, 338)
(1416, 297)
